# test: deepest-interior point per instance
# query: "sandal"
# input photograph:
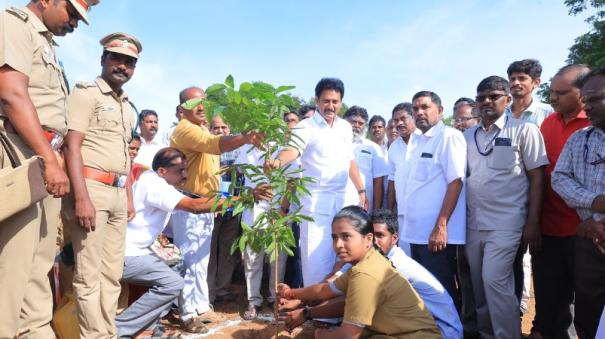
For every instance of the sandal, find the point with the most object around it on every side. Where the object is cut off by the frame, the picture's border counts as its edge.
(252, 312)
(193, 325)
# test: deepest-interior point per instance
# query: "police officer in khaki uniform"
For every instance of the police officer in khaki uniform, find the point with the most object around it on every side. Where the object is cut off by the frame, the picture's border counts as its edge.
(34, 118)
(97, 161)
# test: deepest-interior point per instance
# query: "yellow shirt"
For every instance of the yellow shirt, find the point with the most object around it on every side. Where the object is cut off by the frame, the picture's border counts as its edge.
(27, 46)
(106, 119)
(383, 301)
(202, 152)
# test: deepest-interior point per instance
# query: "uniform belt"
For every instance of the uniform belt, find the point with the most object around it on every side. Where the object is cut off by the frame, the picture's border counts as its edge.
(107, 178)
(54, 139)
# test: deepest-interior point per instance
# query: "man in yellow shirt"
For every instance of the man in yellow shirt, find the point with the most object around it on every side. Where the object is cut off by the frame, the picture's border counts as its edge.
(193, 232)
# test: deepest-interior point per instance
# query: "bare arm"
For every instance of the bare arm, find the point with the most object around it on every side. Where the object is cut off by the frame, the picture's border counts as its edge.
(438, 237)
(231, 142)
(85, 211)
(345, 331)
(531, 230)
(321, 292)
(285, 156)
(197, 205)
(16, 103)
(356, 179)
(378, 192)
(391, 195)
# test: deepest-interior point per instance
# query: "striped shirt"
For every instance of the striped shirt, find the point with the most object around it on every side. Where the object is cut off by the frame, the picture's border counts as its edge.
(579, 176)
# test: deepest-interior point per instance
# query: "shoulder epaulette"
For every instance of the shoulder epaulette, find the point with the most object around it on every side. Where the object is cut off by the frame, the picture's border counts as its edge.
(18, 13)
(85, 84)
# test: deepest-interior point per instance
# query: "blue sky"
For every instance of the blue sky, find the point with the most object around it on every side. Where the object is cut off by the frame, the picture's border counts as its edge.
(384, 51)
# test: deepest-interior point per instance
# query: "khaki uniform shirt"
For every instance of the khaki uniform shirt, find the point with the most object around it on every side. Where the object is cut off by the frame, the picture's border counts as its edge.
(497, 184)
(383, 301)
(107, 121)
(27, 46)
(202, 152)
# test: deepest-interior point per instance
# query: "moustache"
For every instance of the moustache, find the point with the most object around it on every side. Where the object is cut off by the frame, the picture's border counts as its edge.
(119, 72)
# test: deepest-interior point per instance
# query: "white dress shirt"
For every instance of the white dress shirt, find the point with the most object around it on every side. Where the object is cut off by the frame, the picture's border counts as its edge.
(154, 200)
(421, 170)
(325, 155)
(372, 163)
(148, 151)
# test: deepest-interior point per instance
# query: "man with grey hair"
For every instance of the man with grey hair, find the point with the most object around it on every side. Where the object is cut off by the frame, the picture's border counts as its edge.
(370, 161)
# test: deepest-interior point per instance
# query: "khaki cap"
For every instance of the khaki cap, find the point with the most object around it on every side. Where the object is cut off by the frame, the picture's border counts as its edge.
(122, 43)
(83, 6)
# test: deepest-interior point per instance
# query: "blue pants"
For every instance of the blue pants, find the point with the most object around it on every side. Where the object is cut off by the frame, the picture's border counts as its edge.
(165, 286)
(293, 276)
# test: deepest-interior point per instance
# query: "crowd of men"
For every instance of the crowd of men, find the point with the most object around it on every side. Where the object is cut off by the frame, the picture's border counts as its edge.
(512, 174)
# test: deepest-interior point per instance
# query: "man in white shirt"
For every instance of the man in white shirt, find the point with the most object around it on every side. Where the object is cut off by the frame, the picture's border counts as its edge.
(155, 198)
(326, 154)
(428, 185)
(370, 160)
(150, 145)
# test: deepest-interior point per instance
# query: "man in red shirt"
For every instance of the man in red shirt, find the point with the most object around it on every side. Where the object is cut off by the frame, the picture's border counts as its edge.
(553, 265)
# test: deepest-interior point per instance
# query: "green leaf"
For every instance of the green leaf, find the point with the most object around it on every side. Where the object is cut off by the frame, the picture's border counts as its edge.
(214, 89)
(192, 103)
(284, 88)
(229, 81)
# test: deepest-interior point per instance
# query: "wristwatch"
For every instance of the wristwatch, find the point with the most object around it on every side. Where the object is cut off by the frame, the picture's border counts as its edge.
(306, 312)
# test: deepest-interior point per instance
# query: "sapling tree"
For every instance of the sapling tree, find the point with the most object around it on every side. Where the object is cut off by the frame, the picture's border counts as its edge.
(258, 106)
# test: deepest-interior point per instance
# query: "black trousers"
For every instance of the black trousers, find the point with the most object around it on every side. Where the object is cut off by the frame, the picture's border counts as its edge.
(553, 269)
(590, 288)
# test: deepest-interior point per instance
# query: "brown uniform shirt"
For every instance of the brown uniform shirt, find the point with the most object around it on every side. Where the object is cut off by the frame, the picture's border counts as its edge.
(27, 46)
(107, 121)
(383, 301)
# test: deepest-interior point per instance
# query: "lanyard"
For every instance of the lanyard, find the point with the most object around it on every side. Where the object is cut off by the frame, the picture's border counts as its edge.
(600, 159)
(490, 144)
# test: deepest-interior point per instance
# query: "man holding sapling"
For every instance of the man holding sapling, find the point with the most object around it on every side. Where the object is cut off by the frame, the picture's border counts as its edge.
(325, 149)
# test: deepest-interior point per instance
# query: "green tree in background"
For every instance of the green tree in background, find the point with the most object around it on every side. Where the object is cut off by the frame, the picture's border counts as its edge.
(588, 48)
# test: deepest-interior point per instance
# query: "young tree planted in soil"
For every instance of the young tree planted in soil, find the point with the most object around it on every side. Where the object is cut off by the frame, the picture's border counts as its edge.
(259, 106)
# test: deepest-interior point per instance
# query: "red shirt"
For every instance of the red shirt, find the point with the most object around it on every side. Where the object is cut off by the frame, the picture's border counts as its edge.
(558, 219)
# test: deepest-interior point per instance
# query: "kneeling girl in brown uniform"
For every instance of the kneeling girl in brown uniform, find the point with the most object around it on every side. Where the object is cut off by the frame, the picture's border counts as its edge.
(380, 303)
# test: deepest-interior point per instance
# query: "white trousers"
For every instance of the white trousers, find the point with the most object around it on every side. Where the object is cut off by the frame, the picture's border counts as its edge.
(193, 235)
(491, 255)
(316, 251)
(254, 263)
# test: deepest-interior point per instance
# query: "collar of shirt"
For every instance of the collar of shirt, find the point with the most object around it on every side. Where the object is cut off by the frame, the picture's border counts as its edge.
(582, 115)
(533, 108)
(39, 25)
(321, 121)
(499, 124)
(105, 89)
(153, 141)
(433, 131)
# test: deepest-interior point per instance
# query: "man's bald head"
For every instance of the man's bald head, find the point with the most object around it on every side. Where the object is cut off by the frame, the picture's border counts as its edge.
(189, 93)
(196, 115)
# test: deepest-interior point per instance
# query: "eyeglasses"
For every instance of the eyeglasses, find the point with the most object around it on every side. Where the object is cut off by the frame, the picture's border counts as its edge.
(463, 119)
(491, 97)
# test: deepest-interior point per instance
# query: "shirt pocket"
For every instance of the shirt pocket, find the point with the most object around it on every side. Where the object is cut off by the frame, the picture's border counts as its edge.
(107, 118)
(503, 158)
(423, 168)
(52, 68)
